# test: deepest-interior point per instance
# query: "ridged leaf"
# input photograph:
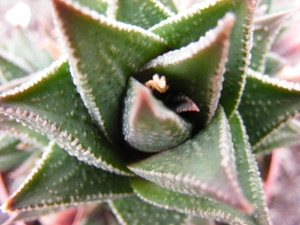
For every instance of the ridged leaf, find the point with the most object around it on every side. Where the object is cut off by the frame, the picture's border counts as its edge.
(203, 166)
(274, 63)
(17, 130)
(192, 205)
(61, 180)
(143, 13)
(50, 104)
(100, 5)
(248, 174)
(190, 25)
(148, 125)
(285, 136)
(10, 68)
(197, 69)
(170, 5)
(10, 156)
(265, 30)
(133, 211)
(103, 55)
(267, 103)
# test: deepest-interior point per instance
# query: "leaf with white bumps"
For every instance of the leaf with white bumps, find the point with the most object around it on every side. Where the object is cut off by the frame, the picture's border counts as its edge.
(60, 180)
(197, 69)
(133, 211)
(265, 30)
(143, 13)
(267, 103)
(203, 207)
(103, 54)
(203, 166)
(50, 104)
(188, 26)
(148, 125)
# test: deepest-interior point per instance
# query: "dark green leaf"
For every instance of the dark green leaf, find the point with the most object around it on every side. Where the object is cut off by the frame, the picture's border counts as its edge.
(133, 211)
(103, 55)
(203, 166)
(265, 30)
(10, 68)
(148, 125)
(50, 104)
(287, 135)
(190, 25)
(143, 13)
(197, 69)
(248, 174)
(61, 180)
(191, 205)
(267, 103)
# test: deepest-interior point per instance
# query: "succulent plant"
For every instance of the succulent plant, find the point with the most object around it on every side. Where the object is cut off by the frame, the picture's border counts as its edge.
(156, 112)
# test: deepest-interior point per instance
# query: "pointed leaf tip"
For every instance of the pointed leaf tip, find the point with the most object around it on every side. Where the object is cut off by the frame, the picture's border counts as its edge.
(148, 125)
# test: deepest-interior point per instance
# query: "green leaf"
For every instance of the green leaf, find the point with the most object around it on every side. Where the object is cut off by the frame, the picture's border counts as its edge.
(266, 29)
(203, 166)
(100, 5)
(61, 180)
(17, 130)
(170, 5)
(10, 68)
(287, 135)
(248, 174)
(143, 13)
(50, 104)
(148, 125)
(274, 63)
(267, 103)
(197, 69)
(133, 211)
(191, 205)
(10, 156)
(103, 55)
(189, 25)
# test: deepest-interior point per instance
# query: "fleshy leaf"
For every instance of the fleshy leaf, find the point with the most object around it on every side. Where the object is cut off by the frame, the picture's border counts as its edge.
(10, 156)
(287, 135)
(61, 180)
(203, 207)
(274, 63)
(17, 130)
(50, 104)
(266, 29)
(103, 55)
(100, 5)
(148, 125)
(10, 68)
(197, 69)
(133, 211)
(170, 5)
(248, 174)
(189, 25)
(143, 13)
(203, 166)
(267, 103)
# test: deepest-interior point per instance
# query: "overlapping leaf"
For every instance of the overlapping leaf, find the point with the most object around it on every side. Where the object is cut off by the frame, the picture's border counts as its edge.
(61, 180)
(50, 104)
(189, 26)
(110, 53)
(187, 204)
(133, 211)
(201, 166)
(143, 13)
(267, 103)
(148, 125)
(265, 30)
(190, 70)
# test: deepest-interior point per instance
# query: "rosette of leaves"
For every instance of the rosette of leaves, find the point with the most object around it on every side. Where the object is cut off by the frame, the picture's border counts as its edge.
(155, 111)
